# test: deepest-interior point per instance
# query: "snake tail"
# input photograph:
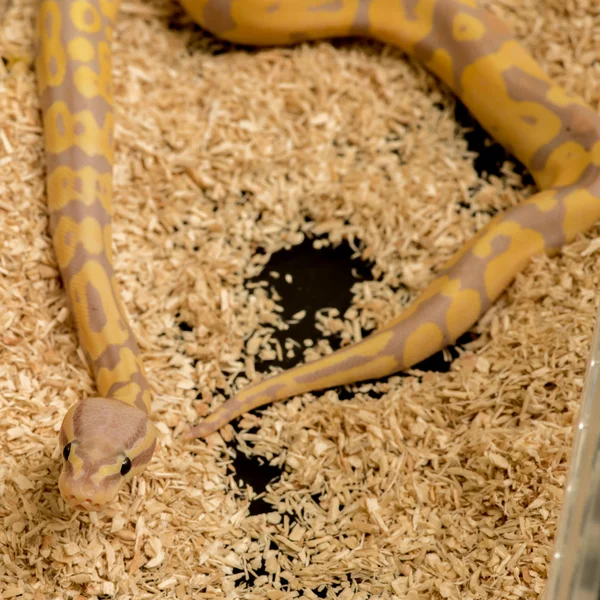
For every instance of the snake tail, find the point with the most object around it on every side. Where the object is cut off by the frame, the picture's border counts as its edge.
(556, 135)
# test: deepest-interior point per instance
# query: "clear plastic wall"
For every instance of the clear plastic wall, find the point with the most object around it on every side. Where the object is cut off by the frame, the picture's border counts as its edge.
(575, 567)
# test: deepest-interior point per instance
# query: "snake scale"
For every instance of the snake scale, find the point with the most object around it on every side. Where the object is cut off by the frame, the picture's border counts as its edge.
(556, 135)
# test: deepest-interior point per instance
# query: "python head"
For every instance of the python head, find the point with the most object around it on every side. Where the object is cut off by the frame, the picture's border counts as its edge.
(104, 442)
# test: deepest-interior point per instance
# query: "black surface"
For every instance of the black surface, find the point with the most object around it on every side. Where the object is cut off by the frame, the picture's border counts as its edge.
(320, 279)
(255, 471)
(323, 278)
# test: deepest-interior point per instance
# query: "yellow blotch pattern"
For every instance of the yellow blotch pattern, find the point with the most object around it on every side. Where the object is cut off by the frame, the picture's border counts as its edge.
(120, 305)
(431, 290)
(466, 28)
(65, 243)
(94, 140)
(91, 84)
(95, 342)
(421, 343)
(109, 9)
(378, 366)
(568, 161)
(261, 26)
(69, 234)
(127, 392)
(471, 243)
(85, 185)
(582, 208)
(108, 243)
(483, 248)
(289, 380)
(85, 16)
(51, 60)
(79, 129)
(500, 270)
(59, 134)
(147, 396)
(370, 347)
(81, 49)
(441, 64)
(126, 367)
(545, 200)
(463, 312)
(484, 89)
(391, 24)
(60, 187)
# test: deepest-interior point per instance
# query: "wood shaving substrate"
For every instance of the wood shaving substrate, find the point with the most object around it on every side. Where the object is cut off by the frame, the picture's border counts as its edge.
(445, 485)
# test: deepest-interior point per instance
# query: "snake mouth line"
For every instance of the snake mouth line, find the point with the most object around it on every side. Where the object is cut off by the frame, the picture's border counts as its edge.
(87, 505)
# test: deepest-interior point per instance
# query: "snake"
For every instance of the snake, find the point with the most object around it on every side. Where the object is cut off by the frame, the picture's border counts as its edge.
(109, 438)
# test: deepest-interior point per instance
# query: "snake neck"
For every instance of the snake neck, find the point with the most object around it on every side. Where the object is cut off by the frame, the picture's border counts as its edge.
(73, 66)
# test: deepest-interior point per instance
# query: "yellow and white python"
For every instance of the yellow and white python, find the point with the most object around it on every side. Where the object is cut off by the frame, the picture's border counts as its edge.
(556, 135)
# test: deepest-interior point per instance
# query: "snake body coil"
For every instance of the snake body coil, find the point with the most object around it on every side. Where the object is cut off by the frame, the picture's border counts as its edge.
(555, 134)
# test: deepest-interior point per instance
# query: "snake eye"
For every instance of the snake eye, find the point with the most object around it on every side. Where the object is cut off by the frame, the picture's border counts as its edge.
(67, 451)
(125, 466)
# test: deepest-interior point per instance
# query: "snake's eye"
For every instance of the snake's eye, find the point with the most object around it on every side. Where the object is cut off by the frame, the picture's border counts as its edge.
(125, 466)
(67, 451)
